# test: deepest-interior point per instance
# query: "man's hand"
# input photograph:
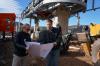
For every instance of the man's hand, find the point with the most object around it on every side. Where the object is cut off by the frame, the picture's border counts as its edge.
(27, 50)
(55, 44)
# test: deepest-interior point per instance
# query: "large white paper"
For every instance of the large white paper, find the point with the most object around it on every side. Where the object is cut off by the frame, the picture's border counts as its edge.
(39, 50)
(29, 44)
(45, 49)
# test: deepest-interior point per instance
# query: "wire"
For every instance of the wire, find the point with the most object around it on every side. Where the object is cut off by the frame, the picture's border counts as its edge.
(93, 9)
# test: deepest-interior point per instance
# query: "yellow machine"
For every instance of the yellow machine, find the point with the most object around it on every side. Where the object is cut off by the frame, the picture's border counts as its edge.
(85, 45)
(94, 29)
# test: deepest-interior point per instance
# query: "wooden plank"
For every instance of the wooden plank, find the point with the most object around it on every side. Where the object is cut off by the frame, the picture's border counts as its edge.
(86, 47)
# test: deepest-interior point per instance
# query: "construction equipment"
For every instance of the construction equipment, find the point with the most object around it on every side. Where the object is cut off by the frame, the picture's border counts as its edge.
(85, 44)
(94, 29)
(85, 38)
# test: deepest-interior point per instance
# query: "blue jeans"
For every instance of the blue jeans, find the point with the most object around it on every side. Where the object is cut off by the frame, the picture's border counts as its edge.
(53, 58)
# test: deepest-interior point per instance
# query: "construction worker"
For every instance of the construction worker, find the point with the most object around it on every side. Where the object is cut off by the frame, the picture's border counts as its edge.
(48, 36)
(20, 52)
(35, 34)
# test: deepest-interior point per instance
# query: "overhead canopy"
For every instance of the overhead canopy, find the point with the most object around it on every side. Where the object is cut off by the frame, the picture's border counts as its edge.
(48, 6)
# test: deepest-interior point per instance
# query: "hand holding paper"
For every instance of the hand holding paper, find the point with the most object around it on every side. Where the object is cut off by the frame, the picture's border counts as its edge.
(35, 49)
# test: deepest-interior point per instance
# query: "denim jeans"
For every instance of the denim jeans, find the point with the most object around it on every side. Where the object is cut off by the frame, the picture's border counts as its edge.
(53, 58)
(19, 61)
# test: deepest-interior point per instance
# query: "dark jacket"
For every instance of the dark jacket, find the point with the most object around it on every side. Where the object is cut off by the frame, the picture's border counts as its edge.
(57, 32)
(20, 46)
(49, 37)
(46, 36)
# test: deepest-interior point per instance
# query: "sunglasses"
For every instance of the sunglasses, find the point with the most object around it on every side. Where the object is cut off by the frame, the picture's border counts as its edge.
(28, 29)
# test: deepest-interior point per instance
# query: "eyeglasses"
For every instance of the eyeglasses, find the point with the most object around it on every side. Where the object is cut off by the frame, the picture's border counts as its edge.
(28, 29)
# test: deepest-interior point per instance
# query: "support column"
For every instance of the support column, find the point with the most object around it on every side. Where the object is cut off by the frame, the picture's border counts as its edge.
(36, 27)
(19, 24)
(61, 18)
(30, 22)
(78, 21)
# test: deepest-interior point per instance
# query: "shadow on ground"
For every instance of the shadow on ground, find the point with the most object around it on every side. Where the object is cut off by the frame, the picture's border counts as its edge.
(71, 61)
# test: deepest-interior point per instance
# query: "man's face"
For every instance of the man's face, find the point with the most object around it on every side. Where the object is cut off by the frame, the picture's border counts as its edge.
(48, 25)
(27, 28)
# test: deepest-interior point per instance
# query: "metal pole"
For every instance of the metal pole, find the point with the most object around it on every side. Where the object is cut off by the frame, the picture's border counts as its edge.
(36, 24)
(78, 20)
(18, 25)
(93, 3)
(30, 22)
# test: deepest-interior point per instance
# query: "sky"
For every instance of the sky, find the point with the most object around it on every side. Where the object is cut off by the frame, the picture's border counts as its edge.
(88, 17)
(17, 6)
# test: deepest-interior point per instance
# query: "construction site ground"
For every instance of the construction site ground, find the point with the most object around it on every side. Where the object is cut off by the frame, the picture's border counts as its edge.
(74, 56)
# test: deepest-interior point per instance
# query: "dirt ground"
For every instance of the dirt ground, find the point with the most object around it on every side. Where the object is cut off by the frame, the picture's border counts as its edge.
(74, 57)
(6, 50)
